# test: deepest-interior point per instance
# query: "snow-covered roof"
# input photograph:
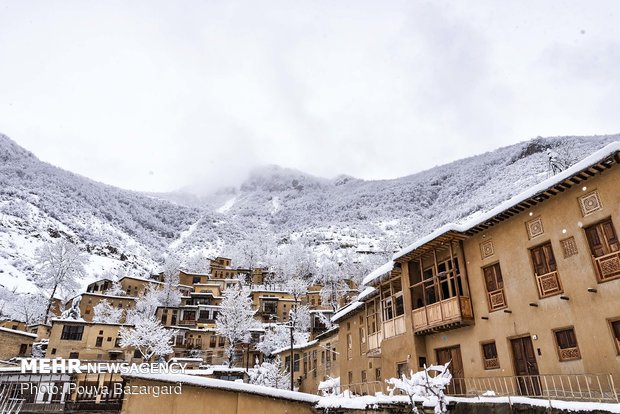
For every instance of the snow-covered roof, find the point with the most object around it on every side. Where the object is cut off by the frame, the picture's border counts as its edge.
(298, 346)
(82, 321)
(150, 281)
(229, 385)
(16, 332)
(592, 159)
(350, 308)
(102, 295)
(378, 272)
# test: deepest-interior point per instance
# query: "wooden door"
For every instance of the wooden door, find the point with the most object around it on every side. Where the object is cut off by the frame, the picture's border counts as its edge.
(453, 355)
(526, 366)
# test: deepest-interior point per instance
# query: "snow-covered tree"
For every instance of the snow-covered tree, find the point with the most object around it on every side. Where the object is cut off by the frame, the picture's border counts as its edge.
(74, 311)
(29, 308)
(146, 305)
(425, 387)
(275, 337)
(294, 261)
(170, 295)
(300, 322)
(271, 374)
(106, 313)
(7, 297)
(61, 264)
(331, 277)
(235, 319)
(149, 337)
(115, 289)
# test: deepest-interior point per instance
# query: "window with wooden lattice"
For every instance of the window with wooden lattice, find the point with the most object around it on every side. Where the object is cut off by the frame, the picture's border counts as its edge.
(566, 342)
(489, 355)
(569, 247)
(494, 284)
(605, 249)
(545, 270)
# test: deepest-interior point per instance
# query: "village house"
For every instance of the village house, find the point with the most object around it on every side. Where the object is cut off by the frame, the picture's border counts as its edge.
(313, 362)
(15, 343)
(87, 341)
(528, 289)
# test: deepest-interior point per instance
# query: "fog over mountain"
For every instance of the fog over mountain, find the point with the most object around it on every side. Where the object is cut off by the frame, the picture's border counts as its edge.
(128, 231)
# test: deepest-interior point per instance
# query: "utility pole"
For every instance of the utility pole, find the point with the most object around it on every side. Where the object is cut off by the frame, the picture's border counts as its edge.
(291, 355)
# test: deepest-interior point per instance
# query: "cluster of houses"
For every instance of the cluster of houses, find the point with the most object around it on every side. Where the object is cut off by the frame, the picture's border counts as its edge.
(529, 289)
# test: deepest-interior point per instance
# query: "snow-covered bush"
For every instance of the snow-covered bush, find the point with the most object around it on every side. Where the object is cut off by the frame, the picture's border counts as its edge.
(106, 313)
(270, 374)
(423, 385)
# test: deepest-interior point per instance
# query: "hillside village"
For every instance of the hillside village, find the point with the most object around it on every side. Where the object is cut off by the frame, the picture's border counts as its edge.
(525, 294)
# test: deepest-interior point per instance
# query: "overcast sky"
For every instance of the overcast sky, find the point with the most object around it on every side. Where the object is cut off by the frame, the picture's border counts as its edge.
(157, 95)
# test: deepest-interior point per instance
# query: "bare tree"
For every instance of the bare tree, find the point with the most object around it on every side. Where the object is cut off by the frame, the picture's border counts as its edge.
(61, 264)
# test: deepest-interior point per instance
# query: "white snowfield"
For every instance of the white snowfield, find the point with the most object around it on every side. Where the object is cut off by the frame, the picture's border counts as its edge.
(368, 401)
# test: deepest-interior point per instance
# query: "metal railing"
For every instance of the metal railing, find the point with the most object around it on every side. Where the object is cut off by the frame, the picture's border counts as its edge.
(587, 387)
(581, 387)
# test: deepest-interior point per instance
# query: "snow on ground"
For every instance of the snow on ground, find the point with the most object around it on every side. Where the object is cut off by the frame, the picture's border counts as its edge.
(226, 206)
(184, 235)
(275, 205)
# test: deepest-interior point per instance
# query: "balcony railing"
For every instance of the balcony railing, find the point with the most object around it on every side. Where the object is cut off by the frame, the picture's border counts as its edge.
(497, 300)
(394, 327)
(187, 322)
(607, 266)
(548, 284)
(446, 314)
(374, 342)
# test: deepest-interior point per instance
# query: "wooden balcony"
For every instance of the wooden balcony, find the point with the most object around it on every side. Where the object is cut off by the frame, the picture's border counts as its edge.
(187, 322)
(447, 314)
(374, 344)
(548, 284)
(607, 266)
(394, 327)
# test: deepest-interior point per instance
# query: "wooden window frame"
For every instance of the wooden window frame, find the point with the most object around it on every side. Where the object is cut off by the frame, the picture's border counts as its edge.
(499, 291)
(606, 264)
(551, 275)
(615, 338)
(571, 353)
(489, 363)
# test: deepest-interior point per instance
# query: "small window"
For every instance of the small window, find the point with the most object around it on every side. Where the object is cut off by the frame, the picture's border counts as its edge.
(212, 341)
(99, 341)
(401, 369)
(489, 354)
(350, 375)
(137, 354)
(221, 341)
(74, 355)
(615, 328)
(377, 374)
(23, 348)
(567, 344)
(364, 376)
(53, 351)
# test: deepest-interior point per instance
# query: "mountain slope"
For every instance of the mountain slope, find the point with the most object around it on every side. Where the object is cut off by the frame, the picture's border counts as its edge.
(128, 229)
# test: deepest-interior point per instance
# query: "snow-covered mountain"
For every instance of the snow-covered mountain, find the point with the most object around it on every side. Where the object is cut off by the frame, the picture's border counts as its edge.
(122, 228)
